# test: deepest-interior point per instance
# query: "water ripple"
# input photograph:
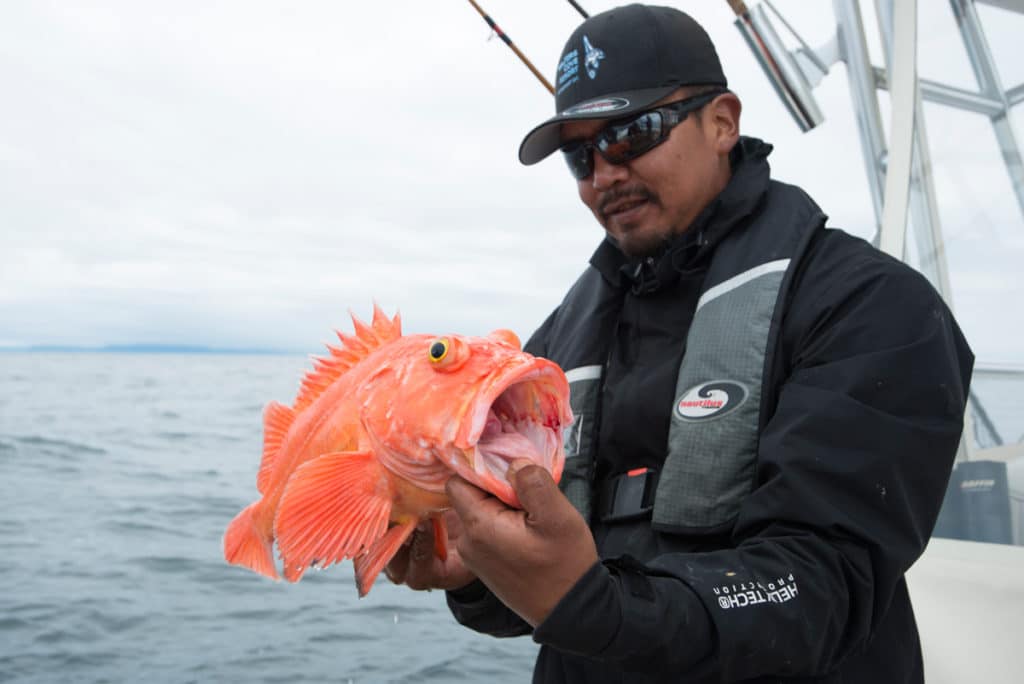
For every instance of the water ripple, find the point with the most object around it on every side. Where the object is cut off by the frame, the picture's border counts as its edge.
(60, 636)
(141, 527)
(166, 564)
(48, 443)
(12, 623)
(72, 661)
(176, 436)
(391, 609)
(116, 624)
(448, 669)
(340, 637)
(252, 614)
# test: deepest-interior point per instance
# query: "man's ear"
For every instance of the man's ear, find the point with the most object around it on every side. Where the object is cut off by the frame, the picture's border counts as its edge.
(723, 115)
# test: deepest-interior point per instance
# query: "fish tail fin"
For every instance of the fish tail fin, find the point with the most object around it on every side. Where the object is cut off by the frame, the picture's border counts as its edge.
(369, 565)
(246, 544)
(333, 507)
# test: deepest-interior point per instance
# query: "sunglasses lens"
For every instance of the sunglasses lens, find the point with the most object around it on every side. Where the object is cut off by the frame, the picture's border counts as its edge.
(580, 159)
(621, 142)
(618, 143)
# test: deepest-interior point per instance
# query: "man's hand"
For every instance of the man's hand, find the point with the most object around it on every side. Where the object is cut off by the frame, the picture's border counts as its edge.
(418, 566)
(529, 558)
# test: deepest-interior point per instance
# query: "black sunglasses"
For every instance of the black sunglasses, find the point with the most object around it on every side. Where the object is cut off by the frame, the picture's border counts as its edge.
(626, 139)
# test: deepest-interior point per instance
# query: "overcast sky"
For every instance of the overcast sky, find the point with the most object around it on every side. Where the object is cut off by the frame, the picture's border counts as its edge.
(243, 173)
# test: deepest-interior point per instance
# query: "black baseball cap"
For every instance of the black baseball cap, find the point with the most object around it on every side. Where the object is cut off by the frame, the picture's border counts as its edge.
(623, 61)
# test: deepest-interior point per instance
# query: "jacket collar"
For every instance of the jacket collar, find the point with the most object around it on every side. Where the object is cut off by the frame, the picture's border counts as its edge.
(687, 251)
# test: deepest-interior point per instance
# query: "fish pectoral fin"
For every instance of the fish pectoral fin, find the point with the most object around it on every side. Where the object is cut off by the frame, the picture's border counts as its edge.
(369, 565)
(277, 420)
(440, 537)
(333, 507)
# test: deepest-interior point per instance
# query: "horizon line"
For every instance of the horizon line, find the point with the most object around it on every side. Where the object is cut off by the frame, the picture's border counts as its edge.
(146, 348)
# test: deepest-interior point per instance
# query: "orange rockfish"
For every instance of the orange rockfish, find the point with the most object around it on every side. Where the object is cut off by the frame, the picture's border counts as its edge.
(377, 429)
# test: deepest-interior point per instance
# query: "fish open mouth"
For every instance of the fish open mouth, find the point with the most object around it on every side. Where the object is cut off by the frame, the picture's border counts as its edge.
(524, 421)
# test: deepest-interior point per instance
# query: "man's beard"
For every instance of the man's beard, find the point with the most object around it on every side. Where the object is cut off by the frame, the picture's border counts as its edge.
(634, 193)
(642, 251)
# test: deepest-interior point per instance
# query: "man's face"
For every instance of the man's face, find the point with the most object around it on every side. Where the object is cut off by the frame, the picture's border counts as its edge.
(645, 201)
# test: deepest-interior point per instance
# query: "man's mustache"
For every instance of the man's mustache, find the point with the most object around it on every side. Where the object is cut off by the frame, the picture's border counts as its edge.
(633, 193)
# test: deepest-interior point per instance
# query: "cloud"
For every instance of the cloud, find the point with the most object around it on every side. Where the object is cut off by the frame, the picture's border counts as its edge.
(242, 174)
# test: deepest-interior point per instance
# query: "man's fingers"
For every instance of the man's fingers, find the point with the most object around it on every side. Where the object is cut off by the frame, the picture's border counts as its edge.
(422, 545)
(398, 566)
(453, 523)
(422, 568)
(405, 566)
(465, 498)
(537, 491)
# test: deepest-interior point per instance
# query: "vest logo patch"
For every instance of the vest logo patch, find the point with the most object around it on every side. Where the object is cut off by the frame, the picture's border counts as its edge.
(710, 400)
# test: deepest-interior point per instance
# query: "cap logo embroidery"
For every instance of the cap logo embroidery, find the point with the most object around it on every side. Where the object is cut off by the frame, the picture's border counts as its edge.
(593, 58)
(568, 70)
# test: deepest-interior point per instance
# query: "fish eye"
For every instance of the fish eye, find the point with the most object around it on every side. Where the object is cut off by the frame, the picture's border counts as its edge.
(439, 350)
(447, 354)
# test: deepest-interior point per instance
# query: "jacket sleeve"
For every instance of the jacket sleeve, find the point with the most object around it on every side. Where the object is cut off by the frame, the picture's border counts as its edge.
(474, 606)
(852, 468)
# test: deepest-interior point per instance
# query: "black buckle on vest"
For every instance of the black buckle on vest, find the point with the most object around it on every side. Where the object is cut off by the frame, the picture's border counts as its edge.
(627, 495)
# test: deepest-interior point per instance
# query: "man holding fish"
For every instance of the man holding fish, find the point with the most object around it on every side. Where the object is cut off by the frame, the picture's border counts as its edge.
(765, 411)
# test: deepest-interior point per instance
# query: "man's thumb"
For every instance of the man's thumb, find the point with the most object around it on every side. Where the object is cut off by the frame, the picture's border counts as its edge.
(536, 490)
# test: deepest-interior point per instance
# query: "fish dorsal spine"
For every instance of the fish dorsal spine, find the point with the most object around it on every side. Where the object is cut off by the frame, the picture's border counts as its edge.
(353, 349)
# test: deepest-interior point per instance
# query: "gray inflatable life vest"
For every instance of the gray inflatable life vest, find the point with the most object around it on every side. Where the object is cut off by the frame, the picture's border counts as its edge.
(720, 401)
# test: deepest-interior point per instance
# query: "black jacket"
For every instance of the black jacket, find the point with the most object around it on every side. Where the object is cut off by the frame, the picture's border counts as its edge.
(860, 426)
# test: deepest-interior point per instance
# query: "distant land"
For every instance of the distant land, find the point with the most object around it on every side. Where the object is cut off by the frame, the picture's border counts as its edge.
(147, 349)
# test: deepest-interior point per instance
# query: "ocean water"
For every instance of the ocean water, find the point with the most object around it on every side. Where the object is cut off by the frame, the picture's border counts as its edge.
(118, 475)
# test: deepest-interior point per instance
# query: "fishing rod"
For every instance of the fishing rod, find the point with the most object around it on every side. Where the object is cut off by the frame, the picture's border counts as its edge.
(738, 7)
(780, 68)
(508, 41)
(579, 9)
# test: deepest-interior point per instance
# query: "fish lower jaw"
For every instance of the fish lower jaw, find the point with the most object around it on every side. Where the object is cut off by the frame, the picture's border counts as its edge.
(491, 459)
(490, 464)
(489, 472)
